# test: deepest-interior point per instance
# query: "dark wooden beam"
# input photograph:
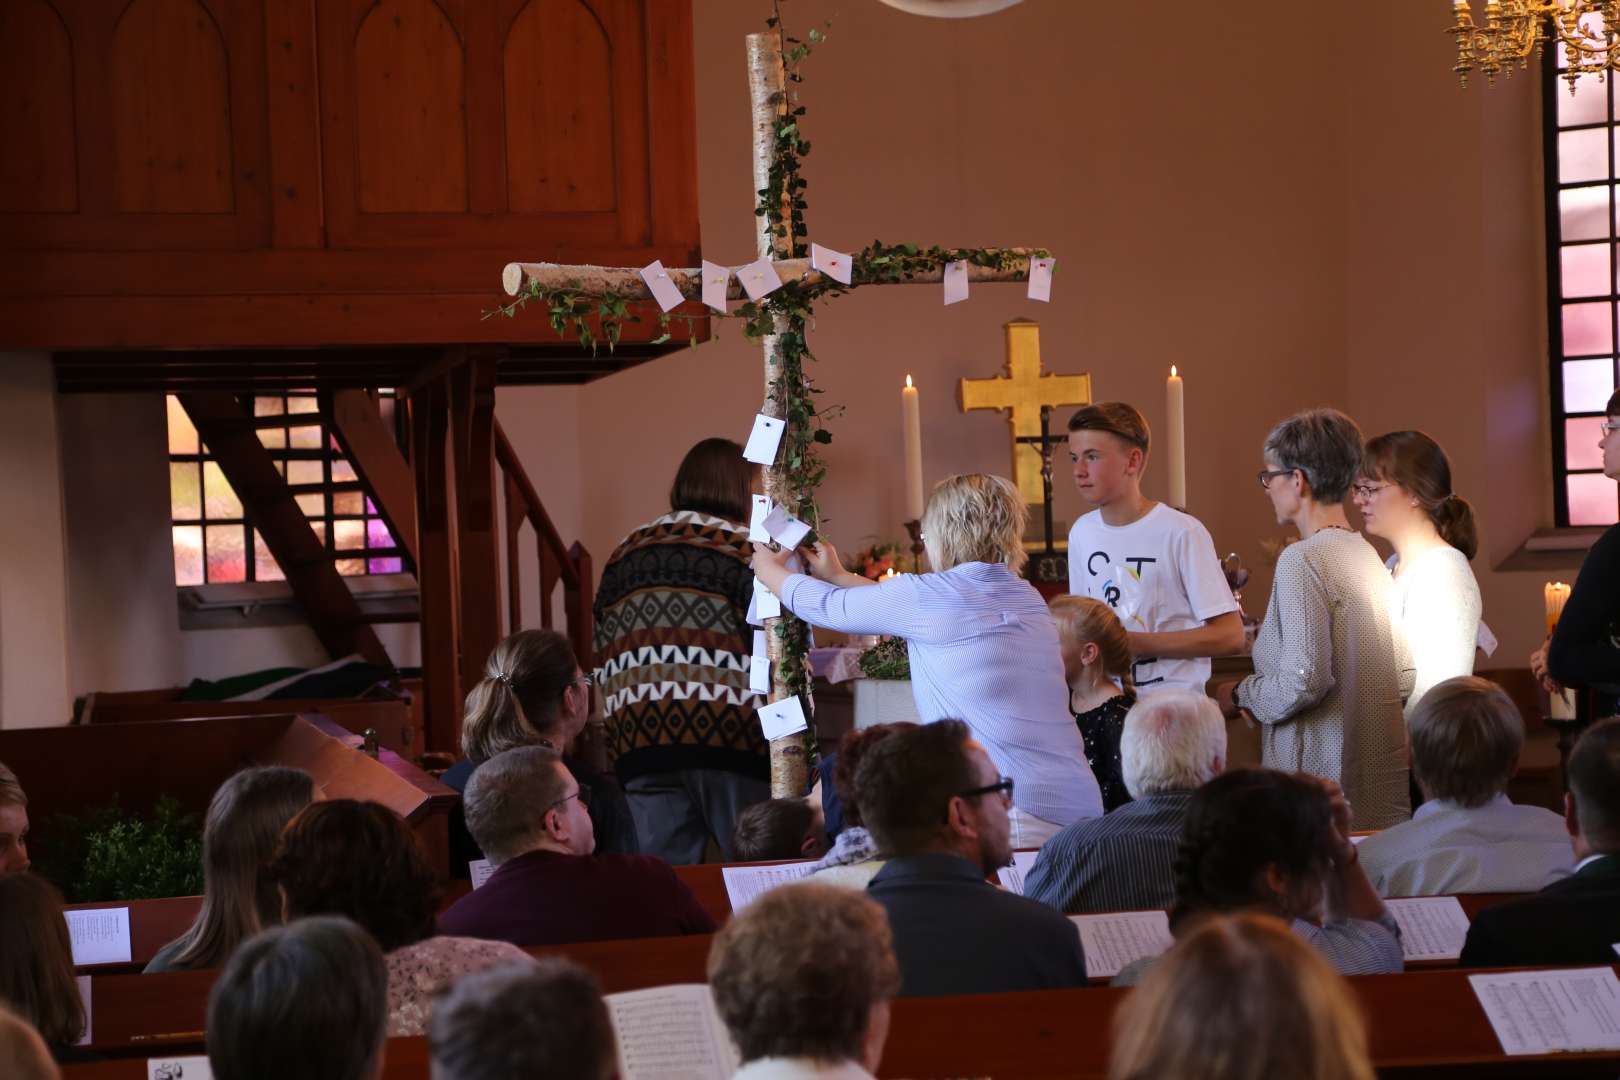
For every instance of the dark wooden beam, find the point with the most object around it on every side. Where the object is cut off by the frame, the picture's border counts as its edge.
(435, 569)
(472, 419)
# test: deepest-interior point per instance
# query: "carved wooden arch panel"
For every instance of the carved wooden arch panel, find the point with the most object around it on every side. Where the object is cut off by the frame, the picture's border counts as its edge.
(38, 163)
(558, 64)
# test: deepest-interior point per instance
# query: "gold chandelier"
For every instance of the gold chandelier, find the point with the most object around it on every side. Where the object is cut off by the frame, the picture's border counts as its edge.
(1516, 28)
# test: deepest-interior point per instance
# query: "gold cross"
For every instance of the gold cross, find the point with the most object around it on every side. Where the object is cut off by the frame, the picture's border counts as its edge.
(1023, 390)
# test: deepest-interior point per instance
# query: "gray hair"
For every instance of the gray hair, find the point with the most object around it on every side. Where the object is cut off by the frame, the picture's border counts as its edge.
(507, 799)
(1466, 736)
(974, 517)
(1325, 445)
(544, 1018)
(1174, 740)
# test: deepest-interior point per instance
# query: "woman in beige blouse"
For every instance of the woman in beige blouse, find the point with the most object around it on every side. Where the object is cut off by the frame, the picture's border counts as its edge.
(1330, 665)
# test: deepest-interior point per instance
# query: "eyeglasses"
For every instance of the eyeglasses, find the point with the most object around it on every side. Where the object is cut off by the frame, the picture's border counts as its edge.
(1609, 427)
(1265, 476)
(587, 679)
(583, 795)
(1003, 787)
(1367, 491)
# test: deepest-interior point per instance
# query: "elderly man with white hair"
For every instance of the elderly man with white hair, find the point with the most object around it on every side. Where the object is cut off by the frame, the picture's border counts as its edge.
(1173, 743)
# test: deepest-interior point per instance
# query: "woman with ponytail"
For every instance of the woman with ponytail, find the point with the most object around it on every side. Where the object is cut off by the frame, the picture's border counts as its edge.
(1097, 666)
(1404, 495)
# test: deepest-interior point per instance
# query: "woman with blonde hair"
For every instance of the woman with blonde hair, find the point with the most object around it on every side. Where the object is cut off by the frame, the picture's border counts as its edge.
(1240, 998)
(36, 962)
(1097, 666)
(982, 644)
(13, 823)
(244, 822)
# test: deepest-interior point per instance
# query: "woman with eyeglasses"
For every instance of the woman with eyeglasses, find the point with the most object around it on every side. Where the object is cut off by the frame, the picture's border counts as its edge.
(1585, 649)
(1404, 495)
(534, 694)
(1331, 666)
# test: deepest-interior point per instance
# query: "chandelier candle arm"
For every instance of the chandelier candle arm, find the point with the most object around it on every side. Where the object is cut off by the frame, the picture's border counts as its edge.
(1514, 29)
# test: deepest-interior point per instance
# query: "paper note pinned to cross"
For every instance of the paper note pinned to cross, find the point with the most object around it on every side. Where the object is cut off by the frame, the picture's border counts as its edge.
(785, 529)
(1040, 279)
(764, 439)
(766, 604)
(956, 283)
(663, 289)
(835, 264)
(757, 532)
(759, 279)
(759, 644)
(715, 279)
(759, 675)
(782, 718)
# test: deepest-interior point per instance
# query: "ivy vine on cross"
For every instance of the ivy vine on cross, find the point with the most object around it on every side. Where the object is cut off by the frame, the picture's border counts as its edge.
(577, 295)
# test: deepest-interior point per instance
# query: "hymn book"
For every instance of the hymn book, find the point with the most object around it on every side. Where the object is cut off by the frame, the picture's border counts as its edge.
(671, 1033)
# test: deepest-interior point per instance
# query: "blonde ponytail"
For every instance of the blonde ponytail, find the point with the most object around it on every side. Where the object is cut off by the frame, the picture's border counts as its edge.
(520, 697)
(1081, 619)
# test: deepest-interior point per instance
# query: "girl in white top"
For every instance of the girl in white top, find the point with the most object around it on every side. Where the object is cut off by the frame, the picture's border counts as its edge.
(1404, 495)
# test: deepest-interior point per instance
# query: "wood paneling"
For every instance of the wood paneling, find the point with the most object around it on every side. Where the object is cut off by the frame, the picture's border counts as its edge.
(559, 98)
(38, 164)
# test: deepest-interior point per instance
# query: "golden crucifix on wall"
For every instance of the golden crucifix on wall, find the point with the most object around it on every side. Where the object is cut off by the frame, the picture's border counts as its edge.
(1022, 390)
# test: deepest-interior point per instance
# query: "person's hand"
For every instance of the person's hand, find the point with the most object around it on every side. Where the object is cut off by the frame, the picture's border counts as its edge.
(769, 562)
(1223, 698)
(1345, 850)
(823, 561)
(1538, 668)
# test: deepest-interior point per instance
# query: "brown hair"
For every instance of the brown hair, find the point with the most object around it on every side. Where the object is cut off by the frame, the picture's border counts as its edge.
(1118, 418)
(359, 860)
(851, 752)
(11, 791)
(1081, 619)
(508, 798)
(36, 959)
(907, 781)
(1594, 783)
(714, 479)
(1240, 998)
(838, 955)
(521, 695)
(1466, 736)
(773, 829)
(23, 1054)
(244, 823)
(1613, 407)
(545, 1018)
(1415, 462)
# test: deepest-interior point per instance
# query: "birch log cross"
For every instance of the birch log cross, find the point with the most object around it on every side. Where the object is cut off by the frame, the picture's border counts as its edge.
(767, 85)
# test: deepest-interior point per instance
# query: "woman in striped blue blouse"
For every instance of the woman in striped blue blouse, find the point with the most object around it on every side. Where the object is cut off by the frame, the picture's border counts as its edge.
(982, 644)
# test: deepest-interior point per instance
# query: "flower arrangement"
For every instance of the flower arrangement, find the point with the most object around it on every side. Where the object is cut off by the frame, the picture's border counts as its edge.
(886, 660)
(875, 562)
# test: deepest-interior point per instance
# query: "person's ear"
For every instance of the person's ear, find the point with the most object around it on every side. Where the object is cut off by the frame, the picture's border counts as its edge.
(1090, 653)
(959, 819)
(1276, 884)
(807, 846)
(556, 825)
(1135, 460)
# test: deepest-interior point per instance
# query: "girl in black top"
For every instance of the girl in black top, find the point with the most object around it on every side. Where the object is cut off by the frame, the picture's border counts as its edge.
(1097, 665)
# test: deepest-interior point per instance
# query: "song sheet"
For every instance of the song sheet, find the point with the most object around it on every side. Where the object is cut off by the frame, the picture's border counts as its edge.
(1012, 877)
(745, 884)
(1542, 1012)
(1113, 941)
(1432, 927)
(100, 935)
(479, 870)
(191, 1067)
(671, 1033)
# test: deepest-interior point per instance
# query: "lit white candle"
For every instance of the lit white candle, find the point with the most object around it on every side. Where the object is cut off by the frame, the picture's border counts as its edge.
(1175, 441)
(911, 422)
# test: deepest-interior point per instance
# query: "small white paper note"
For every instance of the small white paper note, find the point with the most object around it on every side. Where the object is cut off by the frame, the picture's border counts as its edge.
(745, 884)
(479, 870)
(766, 604)
(84, 996)
(663, 289)
(780, 719)
(1540, 1012)
(1012, 877)
(1432, 927)
(835, 264)
(192, 1067)
(1113, 941)
(1484, 640)
(753, 608)
(100, 936)
(759, 279)
(759, 674)
(956, 283)
(757, 532)
(764, 439)
(715, 279)
(671, 1031)
(1040, 280)
(760, 648)
(784, 528)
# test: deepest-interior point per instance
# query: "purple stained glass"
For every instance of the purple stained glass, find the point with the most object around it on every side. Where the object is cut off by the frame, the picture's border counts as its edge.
(1592, 499)
(1581, 435)
(1588, 329)
(377, 534)
(1583, 155)
(387, 566)
(1586, 269)
(1587, 385)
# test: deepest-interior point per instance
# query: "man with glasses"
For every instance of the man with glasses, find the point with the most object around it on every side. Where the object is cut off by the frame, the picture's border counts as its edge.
(529, 815)
(937, 808)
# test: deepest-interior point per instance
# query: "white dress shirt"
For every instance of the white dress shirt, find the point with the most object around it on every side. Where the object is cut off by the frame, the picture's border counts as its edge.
(1447, 848)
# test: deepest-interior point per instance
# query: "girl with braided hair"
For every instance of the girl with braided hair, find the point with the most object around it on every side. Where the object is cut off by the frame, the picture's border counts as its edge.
(1279, 844)
(1097, 665)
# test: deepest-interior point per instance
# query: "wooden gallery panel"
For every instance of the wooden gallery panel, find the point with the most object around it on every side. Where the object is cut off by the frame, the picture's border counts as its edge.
(132, 125)
(490, 123)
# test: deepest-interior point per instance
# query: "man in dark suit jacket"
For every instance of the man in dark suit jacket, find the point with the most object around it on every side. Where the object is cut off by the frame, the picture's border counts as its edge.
(1575, 920)
(526, 812)
(937, 808)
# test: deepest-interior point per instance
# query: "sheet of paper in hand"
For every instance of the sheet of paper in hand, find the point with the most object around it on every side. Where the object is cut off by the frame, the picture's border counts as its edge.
(100, 935)
(1129, 593)
(1040, 280)
(784, 528)
(764, 439)
(1113, 942)
(663, 289)
(745, 884)
(835, 264)
(1012, 877)
(759, 279)
(671, 1032)
(956, 281)
(780, 719)
(478, 870)
(715, 279)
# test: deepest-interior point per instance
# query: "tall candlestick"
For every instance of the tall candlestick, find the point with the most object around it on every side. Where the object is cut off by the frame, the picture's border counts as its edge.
(1555, 593)
(911, 421)
(1175, 441)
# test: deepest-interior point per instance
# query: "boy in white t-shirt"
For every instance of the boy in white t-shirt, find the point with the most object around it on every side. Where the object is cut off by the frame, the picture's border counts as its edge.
(1155, 565)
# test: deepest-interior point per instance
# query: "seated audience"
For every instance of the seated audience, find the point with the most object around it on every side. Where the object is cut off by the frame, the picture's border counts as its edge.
(361, 861)
(1097, 665)
(780, 829)
(938, 809)
(13, 823)
(23, 1054)
(36, 963)
(1575, 920)
(534, 694)
(1279, 844)
(309, 999)
(245, 819)
(1238, 998)
(1173, 743)
(1466, 837)
(811, 1001)
(526, 812)
(854, 857)
(540, 1019)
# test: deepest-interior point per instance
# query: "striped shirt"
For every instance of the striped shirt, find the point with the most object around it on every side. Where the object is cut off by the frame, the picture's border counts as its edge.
(1122, 861)
(984, 650)
(1352, 946)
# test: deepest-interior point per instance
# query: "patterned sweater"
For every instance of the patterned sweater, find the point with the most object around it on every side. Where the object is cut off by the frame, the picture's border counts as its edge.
(673, 642)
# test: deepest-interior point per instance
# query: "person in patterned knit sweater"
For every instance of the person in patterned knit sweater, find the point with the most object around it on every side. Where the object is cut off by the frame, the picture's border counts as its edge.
(673, 644)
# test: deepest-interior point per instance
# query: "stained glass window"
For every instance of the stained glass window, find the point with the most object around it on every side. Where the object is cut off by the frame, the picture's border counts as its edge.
(214, 536)
(1584, 290)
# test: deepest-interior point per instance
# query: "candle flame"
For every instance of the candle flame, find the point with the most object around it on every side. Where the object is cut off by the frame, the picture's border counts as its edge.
(1172, 371)
(908, 382)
